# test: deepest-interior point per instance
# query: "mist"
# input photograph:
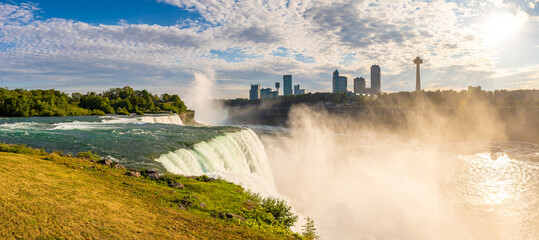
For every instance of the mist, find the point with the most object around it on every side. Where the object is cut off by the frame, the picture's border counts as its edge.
(360, 179)
(200, 98)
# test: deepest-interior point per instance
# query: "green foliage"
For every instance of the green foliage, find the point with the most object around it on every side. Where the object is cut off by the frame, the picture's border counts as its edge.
(126, 100)
(281, 211)
(309, 231)
(88, 155)
(93, 101)
(23, 149)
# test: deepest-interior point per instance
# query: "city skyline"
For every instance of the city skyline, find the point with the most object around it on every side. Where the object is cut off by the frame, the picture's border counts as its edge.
(163, 45)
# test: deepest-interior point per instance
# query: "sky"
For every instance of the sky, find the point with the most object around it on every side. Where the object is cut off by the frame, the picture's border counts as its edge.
(161, 45)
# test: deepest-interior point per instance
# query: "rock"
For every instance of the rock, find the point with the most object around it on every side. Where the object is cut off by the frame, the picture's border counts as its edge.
(154, 176)
(153, 170)
(202, 205)
(186, 202)
(176, 185)
(250, 204)
(133, 174)
(182, 207)
(119, 166)
(231, 216)
(106, 162)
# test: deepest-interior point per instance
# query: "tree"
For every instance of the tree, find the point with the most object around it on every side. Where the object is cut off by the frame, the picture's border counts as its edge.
(309, 231)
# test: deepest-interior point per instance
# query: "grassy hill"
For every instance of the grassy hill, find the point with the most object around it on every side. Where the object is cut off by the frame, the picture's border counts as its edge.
(47, 196)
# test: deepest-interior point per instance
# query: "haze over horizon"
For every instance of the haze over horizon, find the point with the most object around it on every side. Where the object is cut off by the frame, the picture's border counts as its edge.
(159, 45)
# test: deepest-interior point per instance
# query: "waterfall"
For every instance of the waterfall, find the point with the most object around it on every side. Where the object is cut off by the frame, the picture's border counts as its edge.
(163, 119)
(238, 157)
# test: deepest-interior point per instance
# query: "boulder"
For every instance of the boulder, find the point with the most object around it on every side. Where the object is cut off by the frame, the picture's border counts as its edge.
(119, 166)
(106, 162)
(133, 174)
(202, 205)
(153, 175)
(182, 207)
(153, 170)
(176, 185)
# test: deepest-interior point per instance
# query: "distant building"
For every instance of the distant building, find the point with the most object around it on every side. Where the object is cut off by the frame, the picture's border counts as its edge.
(376, 78)
(277, 86)
(474, 89)
(254, 93)
(298, 90)
(334, 83)
(339, 83)
(342, 84)
(287, 85)
(267, 93)
(359, 85)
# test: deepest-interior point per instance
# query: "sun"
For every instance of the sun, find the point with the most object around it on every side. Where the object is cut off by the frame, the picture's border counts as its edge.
(499, 27)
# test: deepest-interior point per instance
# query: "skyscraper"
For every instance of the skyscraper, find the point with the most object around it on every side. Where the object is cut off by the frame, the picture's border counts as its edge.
(339, 83)
(267, 93)
(335, 78)
(254, 93)
(376, 78)
(359, 85)
(287, 85)
(298, 90)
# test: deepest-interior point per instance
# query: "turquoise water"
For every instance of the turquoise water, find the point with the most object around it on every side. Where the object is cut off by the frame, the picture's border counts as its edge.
(135, 141)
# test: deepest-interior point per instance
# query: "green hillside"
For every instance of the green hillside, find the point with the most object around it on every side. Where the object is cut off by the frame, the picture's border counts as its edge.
(47, 196)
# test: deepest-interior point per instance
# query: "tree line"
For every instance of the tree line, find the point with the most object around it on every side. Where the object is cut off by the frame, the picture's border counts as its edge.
(444, 99)
(126, 100)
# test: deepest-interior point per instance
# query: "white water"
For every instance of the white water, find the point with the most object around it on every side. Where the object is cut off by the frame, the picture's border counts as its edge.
(109, 122)
(238, 157)
(167, 119)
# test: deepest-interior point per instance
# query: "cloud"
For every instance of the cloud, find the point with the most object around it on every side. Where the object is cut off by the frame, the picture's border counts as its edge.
(248, 41)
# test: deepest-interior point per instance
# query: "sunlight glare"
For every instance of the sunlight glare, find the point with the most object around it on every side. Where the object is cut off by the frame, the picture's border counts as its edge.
(497, 28)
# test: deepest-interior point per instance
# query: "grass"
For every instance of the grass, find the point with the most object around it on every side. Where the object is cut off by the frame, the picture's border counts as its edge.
(47, 196)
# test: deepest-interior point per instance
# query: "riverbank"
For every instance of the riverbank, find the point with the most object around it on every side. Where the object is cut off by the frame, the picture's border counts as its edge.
(53, 196)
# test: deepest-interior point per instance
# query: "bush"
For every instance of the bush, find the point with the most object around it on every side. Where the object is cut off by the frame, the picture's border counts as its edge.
(122, 111)
(13, 148)
(89, 155)
(280, 211)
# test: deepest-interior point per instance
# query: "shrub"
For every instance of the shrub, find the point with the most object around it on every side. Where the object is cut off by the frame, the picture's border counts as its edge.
(89, 155)
(13, 148)
(281, 211)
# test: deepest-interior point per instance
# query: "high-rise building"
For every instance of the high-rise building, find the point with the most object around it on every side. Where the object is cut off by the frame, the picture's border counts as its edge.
(287, 85)
(376, 78)
(342, 84)
(335, 78)
(298, 90)
(277, 86)
(267, 93)
(339, 83)
(254, 93)
(359, 85)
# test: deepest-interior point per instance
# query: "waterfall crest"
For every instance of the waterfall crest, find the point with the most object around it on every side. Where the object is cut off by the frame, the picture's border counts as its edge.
(238, 157)
(164, 119)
